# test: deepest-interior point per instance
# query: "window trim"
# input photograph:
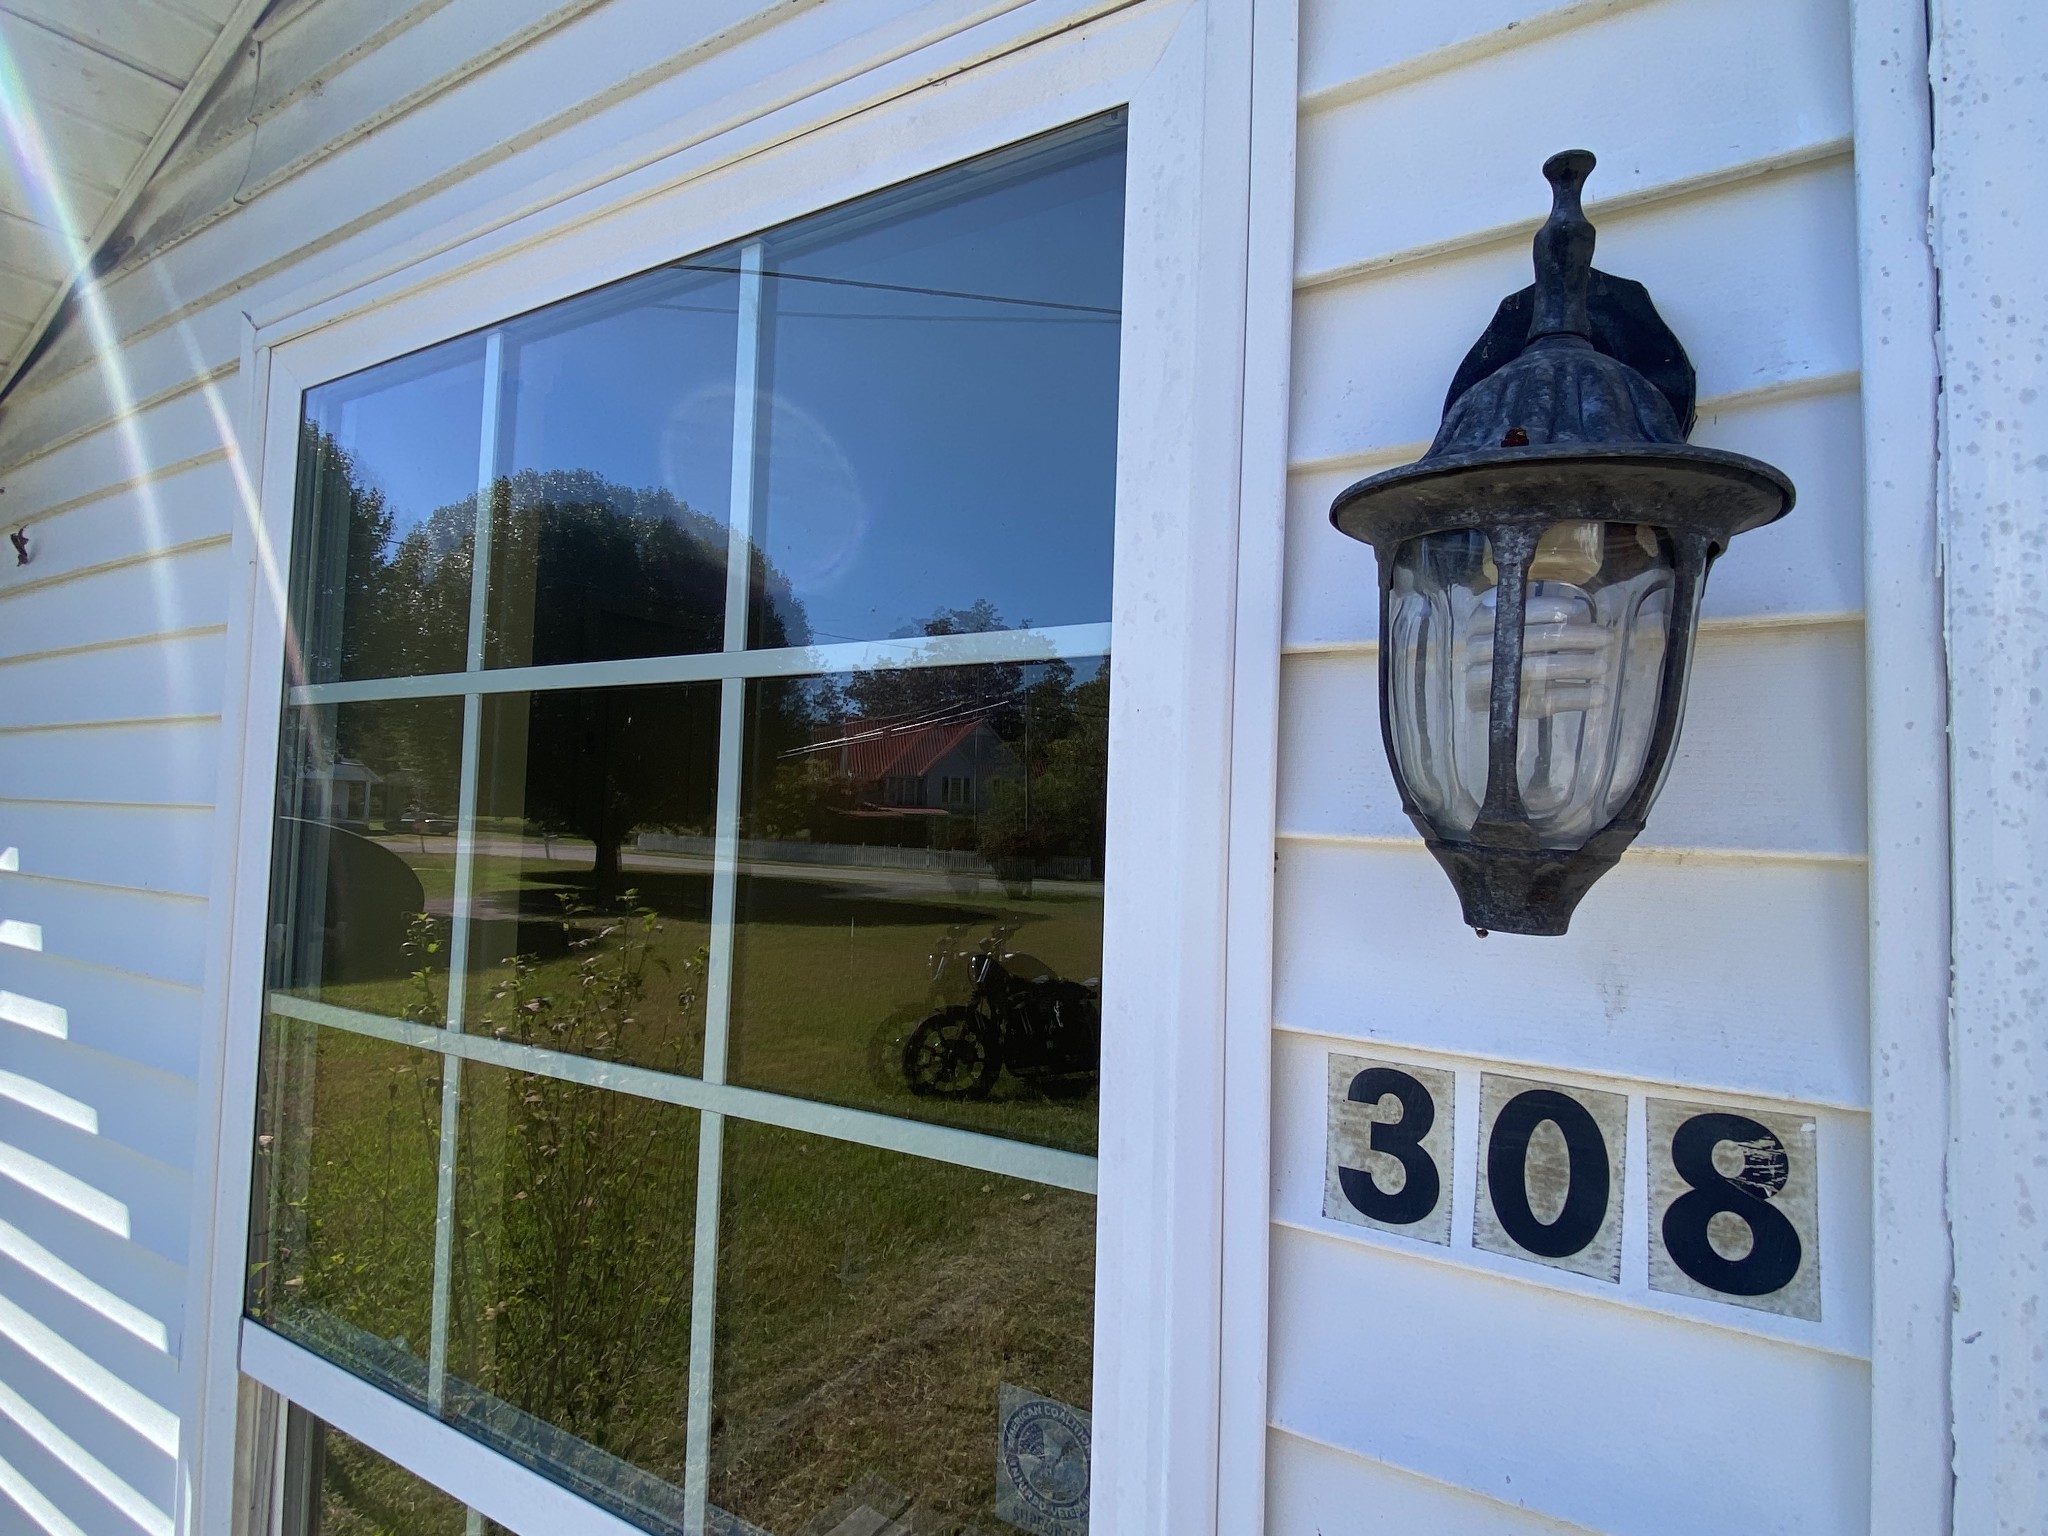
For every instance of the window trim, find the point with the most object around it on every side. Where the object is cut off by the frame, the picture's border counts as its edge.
(1197, 595)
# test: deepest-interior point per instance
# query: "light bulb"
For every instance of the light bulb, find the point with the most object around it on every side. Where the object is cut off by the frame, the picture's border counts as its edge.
(1595, 623)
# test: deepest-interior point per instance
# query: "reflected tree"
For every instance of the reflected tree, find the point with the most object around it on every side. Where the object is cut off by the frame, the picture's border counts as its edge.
(378, 602)
(601, 764)
(586, 569)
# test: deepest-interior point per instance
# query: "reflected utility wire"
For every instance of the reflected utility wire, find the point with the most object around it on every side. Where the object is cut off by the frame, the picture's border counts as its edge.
(936, 293)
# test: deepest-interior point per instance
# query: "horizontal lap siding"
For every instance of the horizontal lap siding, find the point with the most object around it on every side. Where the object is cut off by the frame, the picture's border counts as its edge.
(1450, 1389)
(357, 135)
(1319, 1489)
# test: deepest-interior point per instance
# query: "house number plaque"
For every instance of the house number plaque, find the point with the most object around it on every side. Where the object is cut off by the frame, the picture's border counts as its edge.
(1733, 1192)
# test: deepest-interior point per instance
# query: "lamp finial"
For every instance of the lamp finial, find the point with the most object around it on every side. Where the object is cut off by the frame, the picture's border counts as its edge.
(1564, 250)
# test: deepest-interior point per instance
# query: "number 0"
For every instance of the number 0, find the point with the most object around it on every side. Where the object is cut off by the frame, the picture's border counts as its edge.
(1507, 1173)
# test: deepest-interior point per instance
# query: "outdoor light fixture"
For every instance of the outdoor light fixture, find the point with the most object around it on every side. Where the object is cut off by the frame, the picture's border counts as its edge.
(1540, 578)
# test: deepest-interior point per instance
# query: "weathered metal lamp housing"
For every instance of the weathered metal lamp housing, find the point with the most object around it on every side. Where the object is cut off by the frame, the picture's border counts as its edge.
(1540, 578)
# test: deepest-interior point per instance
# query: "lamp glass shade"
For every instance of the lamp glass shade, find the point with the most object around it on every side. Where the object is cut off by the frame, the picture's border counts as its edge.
(1596, 627)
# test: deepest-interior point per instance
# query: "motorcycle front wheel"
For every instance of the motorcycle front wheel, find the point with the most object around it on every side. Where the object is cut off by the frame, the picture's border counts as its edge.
(952, 1054)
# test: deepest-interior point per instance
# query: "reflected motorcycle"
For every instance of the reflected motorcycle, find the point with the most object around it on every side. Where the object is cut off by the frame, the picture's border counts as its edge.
(1019, 1014)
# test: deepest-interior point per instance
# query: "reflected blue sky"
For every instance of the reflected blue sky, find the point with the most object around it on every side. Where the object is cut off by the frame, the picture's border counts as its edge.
(634, 383)
(412, 428)
(942, 367)
(937, 423)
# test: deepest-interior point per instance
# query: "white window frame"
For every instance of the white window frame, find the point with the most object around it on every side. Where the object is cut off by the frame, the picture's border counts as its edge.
(1179, 1394)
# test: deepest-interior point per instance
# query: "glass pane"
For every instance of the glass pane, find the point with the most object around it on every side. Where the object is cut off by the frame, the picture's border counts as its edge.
(342, 1239)
(927, 448)
(608, 532)
(359, 1493)
(1439, 621)
(365, 856)
(938, 442)
(388, 471)
(570, 1306)
(898, 1336)
(1594, 630)
(920, 895)
(591, 901)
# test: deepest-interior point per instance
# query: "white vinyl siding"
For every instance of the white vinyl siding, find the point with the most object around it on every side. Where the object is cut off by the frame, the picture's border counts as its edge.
(346, 141)
(1728, 953)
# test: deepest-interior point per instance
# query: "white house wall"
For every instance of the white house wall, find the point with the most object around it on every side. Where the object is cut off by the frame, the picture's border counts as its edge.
(1408, 1389)
(352, 136)
(1440, 1388)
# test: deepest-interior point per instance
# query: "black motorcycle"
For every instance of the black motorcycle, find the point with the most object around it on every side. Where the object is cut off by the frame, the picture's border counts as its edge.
(1018, 1014)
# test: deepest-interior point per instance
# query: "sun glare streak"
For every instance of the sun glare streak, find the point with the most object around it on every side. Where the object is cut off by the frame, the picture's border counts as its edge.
(87, 1377)
(64, 1189)
(248, 500)
(43, 1018)
(34, 1505)
(88, 1468)
(29, 147)
(46, 1266)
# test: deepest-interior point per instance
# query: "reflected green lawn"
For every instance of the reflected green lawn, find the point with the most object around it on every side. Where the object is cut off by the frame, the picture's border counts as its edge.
(347, 1143)
(871, 1304)
(831, 973)
(870, 1307)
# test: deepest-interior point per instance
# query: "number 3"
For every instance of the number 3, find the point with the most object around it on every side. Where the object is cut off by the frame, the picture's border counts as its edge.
(1402, 1141)
(1774, 1253)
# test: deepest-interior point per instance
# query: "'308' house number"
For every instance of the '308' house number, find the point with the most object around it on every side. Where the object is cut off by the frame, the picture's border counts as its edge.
(1733, 1191)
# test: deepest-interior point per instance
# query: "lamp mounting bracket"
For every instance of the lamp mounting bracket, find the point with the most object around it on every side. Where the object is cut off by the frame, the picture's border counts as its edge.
(1626, 327)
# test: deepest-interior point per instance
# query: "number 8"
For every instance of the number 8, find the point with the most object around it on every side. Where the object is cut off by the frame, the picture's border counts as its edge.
(1774, 1253)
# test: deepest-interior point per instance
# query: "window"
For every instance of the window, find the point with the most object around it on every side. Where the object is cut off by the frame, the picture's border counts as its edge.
(335, 1486)
(659, 1083)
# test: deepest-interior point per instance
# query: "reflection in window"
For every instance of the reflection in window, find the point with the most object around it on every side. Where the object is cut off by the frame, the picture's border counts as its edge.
(608, 516)
(337, 1486)
(347, 1133)
(927, 951)
(875, 1313)
(388, 466)
(570, 1339)
(365, 855)
(590, 895)
(558, 960)
(940, 369)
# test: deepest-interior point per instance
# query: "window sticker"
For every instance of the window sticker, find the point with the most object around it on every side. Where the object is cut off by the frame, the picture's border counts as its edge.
(1041, 1464)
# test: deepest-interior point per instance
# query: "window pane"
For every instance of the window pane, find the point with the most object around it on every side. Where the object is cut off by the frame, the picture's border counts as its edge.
(388, 463)
(570, 1313)
(342, 1238)
(608, 535)
(908, 406)
(875, 1312)
(924, 952)
(592, 884)
(939, 431)
(365, 856)
(356, 1492)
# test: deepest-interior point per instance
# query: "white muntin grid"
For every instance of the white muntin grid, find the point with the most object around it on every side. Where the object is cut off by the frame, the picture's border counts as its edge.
(710, 1095)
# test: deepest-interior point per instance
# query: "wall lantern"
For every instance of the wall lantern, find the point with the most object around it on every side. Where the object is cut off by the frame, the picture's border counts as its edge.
(1540, 578)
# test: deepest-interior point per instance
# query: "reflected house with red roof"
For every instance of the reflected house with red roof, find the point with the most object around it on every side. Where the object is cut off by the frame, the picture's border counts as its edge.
(908, 776)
